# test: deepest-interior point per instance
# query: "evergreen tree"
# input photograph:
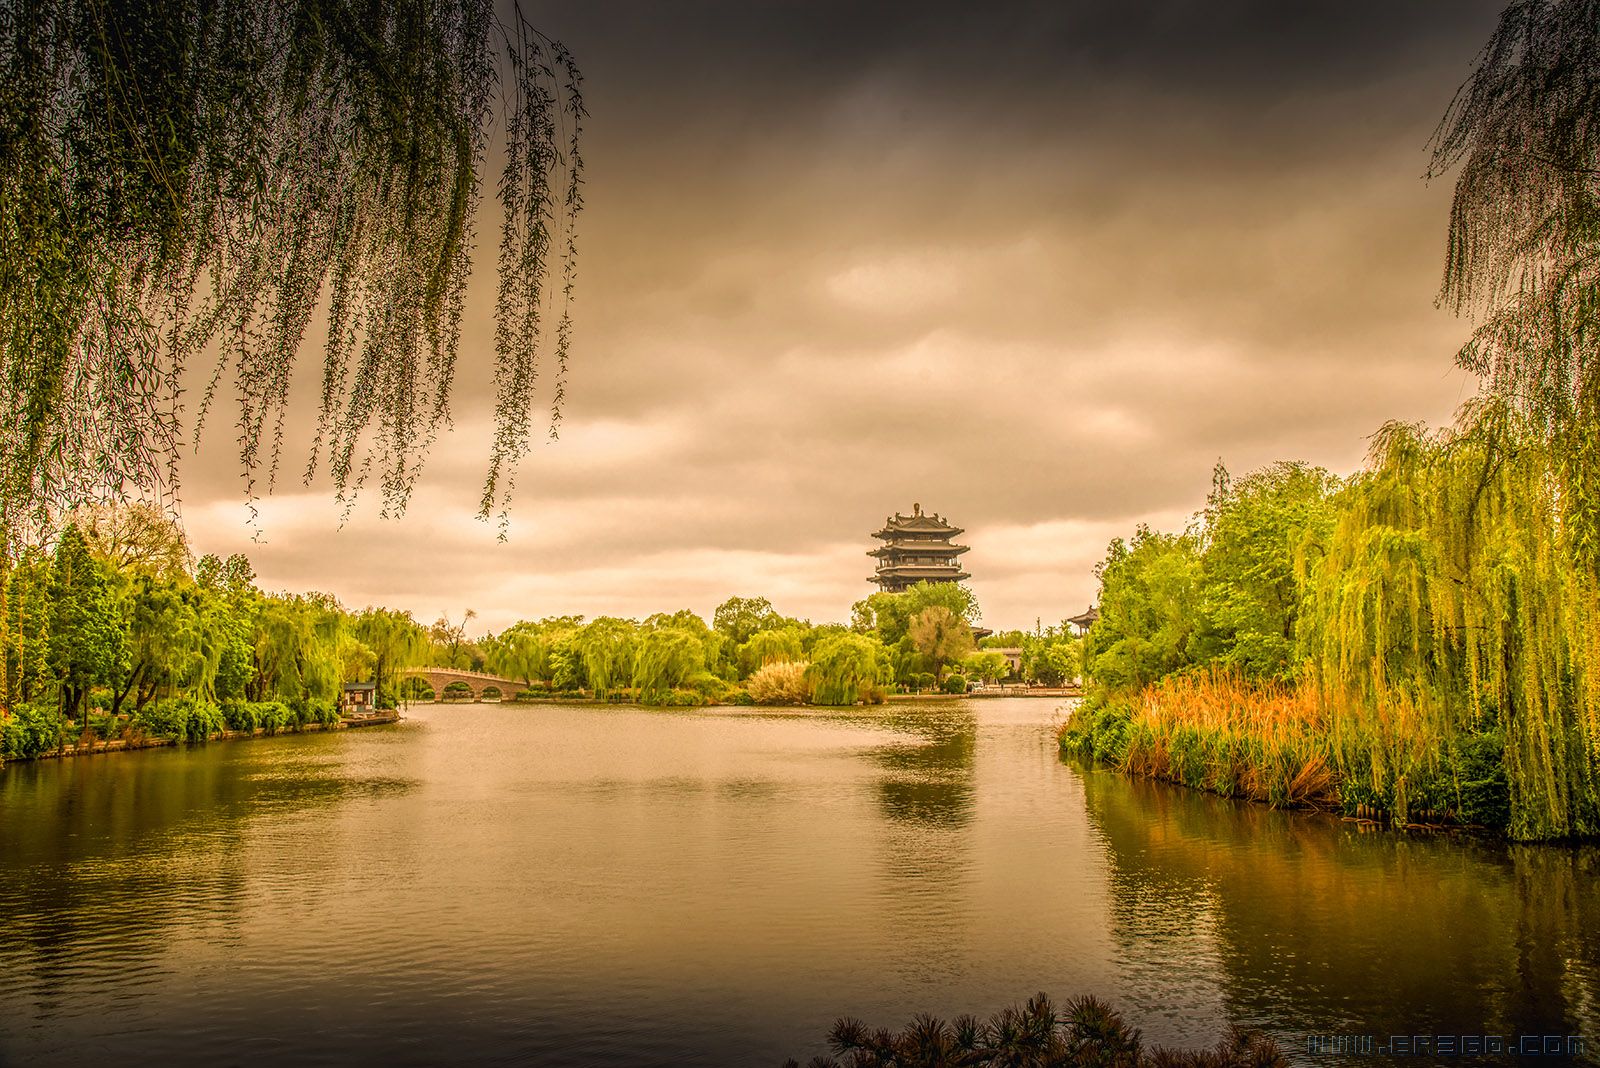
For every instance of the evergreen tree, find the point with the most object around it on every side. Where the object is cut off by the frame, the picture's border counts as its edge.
(86, 635)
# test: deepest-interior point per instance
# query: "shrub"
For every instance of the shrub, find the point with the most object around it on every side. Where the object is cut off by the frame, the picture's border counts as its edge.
(706, 685)
(738, 696)
(1485, 793)
(1083, 1032)
(239, 715)
(780, 683)
(29, 730)
(103, 724)
(955, 684)
(678, 699)
(189, 718)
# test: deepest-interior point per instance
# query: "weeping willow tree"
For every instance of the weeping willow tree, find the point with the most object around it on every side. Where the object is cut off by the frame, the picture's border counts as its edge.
(1524, 241)
(186, 180)
(847, 668)
(1445, 605)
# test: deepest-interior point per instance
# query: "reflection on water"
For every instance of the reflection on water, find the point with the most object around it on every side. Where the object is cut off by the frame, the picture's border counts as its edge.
(609, 886)
(1309, 925)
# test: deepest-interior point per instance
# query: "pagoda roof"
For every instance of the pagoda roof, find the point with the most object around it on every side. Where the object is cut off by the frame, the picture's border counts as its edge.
(1085, 620)
(916, 523)
(916, 572)
(919, 548)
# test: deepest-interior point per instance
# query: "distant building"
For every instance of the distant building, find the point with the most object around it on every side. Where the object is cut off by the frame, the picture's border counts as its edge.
(916, 548)
(1013, 655)
(359, 696)
(1085, 621)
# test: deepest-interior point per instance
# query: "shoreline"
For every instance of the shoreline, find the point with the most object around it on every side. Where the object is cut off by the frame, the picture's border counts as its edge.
(1367, 819)
(99, 746)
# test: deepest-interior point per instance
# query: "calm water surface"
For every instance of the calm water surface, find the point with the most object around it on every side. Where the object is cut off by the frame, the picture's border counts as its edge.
(580, 886)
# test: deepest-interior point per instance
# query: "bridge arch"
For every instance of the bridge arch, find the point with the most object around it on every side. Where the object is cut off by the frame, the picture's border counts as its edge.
(476, 681)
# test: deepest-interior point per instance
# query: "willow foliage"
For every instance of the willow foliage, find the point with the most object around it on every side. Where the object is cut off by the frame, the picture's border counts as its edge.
(847, 668)
(182, 178)
(1445, 604)
(1524, 239)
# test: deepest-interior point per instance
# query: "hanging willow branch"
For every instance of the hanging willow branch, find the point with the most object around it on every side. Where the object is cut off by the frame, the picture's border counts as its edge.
(1523, 255)
(188, 179)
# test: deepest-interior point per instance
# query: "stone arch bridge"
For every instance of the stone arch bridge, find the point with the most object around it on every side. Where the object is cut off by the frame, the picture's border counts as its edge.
(477, 681)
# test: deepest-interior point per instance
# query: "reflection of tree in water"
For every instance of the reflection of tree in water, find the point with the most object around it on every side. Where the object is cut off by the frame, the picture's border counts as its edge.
(925, 793)
(103, 857)
(1313, 926)
(928, 776)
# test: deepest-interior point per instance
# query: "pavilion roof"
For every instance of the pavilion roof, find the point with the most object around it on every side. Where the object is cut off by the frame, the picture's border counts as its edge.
(918, 522)
(919, 549)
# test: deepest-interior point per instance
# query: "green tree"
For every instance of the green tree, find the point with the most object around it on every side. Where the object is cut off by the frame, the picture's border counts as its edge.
(86, 638)
(1524, 240)
(165, 640)
(664, 660)
(986, 665)
(525, 649)
(396, 643)
(606, 649)
(26, 632)
(847, 668)
(186, 176)
(1255, 529)
(1053, 657)
(451, 647)
(739, 618)
(940, 636)
(769, 647)
(889, 615)
(1150, 610)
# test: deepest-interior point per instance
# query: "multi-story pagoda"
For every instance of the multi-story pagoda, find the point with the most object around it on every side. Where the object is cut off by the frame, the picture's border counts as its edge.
(916, 548)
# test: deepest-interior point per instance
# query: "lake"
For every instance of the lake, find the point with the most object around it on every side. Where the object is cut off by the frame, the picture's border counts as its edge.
(573, 885)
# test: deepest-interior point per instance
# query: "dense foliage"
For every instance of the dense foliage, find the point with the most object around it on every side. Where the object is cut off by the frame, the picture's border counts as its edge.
(116, 632)
(1423, 638)
(751, 654)
(189, 176)
(1370, 643)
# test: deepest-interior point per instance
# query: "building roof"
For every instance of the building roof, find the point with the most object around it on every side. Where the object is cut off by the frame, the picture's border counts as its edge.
(1086, 619)
(918, 572)
(916, 525)
(920, 548)
(352, 687)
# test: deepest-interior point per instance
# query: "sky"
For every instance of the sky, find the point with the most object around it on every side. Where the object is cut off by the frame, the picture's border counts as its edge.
(1036, 267)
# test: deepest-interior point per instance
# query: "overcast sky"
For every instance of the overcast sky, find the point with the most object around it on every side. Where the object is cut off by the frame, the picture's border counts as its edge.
(1035, 267)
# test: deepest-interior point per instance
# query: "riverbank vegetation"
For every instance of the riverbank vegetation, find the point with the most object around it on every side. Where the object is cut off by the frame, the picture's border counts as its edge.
(1085, 1031)
(1422, 639)
(917, 641)
(117, 632)
(111, 629)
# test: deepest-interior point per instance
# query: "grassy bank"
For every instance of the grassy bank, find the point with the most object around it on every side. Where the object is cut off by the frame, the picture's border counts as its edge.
(32, 731)
(1295, 746)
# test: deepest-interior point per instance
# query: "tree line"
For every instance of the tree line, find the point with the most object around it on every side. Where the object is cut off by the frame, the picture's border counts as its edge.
(749, 653)
(1416, 640)
(113, 629)
(1421, 639)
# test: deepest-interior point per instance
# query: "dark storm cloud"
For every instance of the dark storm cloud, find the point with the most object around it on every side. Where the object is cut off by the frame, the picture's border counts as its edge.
(1037, 266)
